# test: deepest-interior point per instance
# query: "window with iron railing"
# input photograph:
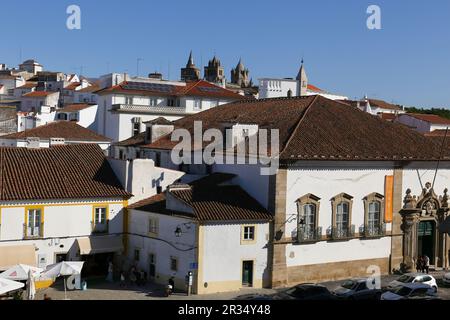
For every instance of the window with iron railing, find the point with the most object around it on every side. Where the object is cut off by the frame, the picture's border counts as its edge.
(100, 223)
(341, 232)
(305, 234)
(373, 230)
(34, 225)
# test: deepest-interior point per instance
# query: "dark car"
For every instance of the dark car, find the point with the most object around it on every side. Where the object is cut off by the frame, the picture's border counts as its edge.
(305, 292)
(358, 289)
(253, 296)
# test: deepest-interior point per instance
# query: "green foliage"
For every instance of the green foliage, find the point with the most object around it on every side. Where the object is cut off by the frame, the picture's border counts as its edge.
(445, 113)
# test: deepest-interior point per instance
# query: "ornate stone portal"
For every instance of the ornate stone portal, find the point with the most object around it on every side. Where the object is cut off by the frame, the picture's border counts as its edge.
(427, 207)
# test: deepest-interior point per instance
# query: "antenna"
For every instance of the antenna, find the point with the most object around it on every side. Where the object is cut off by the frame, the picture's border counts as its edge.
(439, 159)
(137, 66)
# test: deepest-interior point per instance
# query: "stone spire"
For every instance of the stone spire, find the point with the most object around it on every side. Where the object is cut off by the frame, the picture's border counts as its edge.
(191, 72)
(190, 62)
(302, 80)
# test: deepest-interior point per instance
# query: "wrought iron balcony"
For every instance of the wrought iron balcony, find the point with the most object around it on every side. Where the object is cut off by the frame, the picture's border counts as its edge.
(369, 231)
(309, 235)
(99, 227)
(33, 232)
(338, 233)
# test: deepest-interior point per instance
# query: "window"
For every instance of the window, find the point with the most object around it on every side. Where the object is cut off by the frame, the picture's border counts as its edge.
(170, 102)
(137, 254)
(248, 234)
(73, 117)
(128, 100)
(153, 225)
(374, 212)
(34, 223)
(100, 219)
(153, 102)
(62, 116)
(307, 220)
(148, 134)
(342, 210)
(197, 104)
(136, 128)
(173, 264)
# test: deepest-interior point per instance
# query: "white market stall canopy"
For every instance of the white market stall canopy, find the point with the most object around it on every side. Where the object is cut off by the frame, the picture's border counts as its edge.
(9, 285)
(100, 244)
(20, 272)
(11, 256)
(65, 268)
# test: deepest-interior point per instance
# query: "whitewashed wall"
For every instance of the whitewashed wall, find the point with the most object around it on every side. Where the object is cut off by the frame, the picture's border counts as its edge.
(326, 183)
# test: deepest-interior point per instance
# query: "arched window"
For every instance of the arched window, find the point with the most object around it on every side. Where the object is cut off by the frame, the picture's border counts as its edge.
(342, 216)
(308, 217)
(374, 215)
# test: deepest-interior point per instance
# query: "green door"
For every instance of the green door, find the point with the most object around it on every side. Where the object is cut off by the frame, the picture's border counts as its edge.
(426, 239)
(247, 273)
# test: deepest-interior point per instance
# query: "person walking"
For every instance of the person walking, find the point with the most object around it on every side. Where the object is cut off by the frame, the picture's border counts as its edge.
(426, 264)
(109, 277)
(419, 264)
(122, 279)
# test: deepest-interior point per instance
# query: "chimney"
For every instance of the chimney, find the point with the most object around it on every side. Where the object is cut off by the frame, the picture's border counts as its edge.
(155, 131)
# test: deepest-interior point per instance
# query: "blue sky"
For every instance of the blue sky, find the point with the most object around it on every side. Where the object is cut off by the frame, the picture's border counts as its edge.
(407, 61)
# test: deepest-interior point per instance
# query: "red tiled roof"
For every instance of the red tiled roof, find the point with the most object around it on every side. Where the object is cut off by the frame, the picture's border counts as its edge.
(73, 86)
(75, 107)
(68, 130)
(431, 118)
(387, 116)
(196, 88)
(135, 140)
(209, 202)
(383, 104)
(314, 88)
(92, 88)
(28, 85)
(64, 172)
(38, 94)
(437, 133)
(314, 127)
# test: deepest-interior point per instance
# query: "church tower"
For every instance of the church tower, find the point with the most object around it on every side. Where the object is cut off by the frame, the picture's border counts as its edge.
(191, 72)
(240, 75)
(214, 71)
(302, 81)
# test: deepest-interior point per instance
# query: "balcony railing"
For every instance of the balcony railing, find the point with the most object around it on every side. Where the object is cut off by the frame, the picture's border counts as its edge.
(309, 235)
(338, 233)
(100, 227)
(33, 232)
(149, 109)
(378, 230)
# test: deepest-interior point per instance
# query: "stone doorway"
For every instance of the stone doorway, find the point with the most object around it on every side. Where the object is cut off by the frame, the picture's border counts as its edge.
(426, 240)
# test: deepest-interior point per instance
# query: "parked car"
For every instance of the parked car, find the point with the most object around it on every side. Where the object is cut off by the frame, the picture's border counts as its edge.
(305, 292)
(414, 278)
(253, 296)
(409, 291)
(357, 289)
(446, 279)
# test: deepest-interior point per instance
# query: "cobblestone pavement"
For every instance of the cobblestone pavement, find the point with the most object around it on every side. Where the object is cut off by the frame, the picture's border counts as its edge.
(102, 290)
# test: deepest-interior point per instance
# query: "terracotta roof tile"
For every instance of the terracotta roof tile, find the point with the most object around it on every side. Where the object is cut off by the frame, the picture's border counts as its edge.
(38, 94)
(68, 130)
(63, 172)
(75, 107)
(210, 202)
(314, 127)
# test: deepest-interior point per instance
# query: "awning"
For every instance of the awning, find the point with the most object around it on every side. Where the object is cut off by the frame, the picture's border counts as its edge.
(100, 244)
(14, 255)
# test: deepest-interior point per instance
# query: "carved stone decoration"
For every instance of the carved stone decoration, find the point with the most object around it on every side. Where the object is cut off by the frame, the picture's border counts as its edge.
(408, 201)
(444, 199)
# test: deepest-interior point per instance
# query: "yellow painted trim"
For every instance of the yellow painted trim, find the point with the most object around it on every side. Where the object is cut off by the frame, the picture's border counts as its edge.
(27, 208)
(43, 284)
(100, 206)
(245, 242)
(198, 275)
(65, 204)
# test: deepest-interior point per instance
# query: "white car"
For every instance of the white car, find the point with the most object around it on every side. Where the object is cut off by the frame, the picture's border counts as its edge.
(409, 291)
(414, 278)
(446, 279)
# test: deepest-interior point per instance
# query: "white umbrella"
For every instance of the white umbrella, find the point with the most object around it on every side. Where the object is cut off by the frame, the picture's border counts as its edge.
(20, 272)
(65, 268)
(9, 285)
(31, 288)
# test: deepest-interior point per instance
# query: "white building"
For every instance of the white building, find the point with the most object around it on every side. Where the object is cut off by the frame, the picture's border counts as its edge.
(424, 122)
(220, 235)
(342, 197)
(68, 205)
(29, 120)
(125, 107)
(53, 134)
(33, 101)
(289, 87)
(83, 114)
